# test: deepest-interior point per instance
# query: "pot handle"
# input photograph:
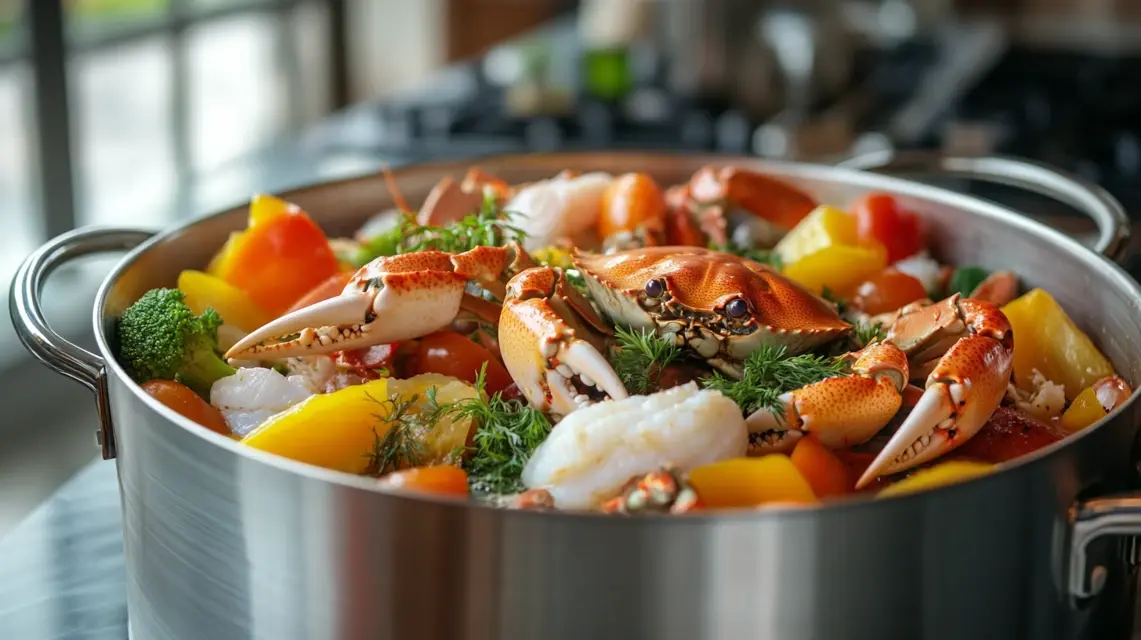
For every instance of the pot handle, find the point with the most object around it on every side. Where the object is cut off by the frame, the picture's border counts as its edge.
(1118, 515)
(48, 346)
(1085, 196)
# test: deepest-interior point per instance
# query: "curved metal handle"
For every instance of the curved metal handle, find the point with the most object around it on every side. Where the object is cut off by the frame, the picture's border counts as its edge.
(1085, 196)
(1109, 516)
(48, 346)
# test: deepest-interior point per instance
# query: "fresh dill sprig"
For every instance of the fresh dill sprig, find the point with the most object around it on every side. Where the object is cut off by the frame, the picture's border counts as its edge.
(639, 357)
(403, 444)
(763, 256)
(864, 333)
(489, 226)
(506, 434)
(830, 296)
(768, 373)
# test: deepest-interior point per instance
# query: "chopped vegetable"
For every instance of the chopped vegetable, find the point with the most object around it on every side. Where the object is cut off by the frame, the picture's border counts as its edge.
(182, 400)
(451, 354)
(1094, 403)
(879, 218)
(750, 482)
(825, 227)
(506, 433)
(639, 358)
(1046, 339)
(444, 479)
(769, 373)
(160, 337)
(941, 475)
(203, 291)
(840, 268)
(965, 280)
(279, 258)
(887, 291)
(331, 287)
(825, 473)
(762, 256)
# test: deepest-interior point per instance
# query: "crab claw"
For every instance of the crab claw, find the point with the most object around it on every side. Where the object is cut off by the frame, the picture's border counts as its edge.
(551, 342)
(838, 412)
(962, 391)
(391, 299)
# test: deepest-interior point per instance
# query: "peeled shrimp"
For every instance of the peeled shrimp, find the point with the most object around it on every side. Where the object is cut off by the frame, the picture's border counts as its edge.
(592, 452)
(558, 208)
(250, 396)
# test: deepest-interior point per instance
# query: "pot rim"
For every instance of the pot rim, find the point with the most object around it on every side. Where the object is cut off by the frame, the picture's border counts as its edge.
(1106, 270)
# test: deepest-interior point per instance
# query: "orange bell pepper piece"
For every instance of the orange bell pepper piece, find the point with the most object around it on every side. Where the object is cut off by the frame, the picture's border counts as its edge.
(825, 473)
(330, 287)
(443, 479)
(280, 257)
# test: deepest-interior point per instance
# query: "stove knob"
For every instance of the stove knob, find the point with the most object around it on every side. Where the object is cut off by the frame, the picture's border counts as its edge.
(732, 132)
(543, 134)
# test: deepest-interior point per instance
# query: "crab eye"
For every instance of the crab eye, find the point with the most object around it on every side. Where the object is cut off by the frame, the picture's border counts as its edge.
(655, 288)
(737, 308)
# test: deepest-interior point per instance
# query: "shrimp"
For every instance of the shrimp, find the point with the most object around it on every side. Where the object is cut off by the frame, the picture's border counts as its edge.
(595, 450)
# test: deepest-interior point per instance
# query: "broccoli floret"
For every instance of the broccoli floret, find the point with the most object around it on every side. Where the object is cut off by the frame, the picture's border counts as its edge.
(160, 337)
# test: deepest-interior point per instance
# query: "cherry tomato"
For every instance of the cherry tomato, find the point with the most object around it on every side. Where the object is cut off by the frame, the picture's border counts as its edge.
(879, 217)
(887, 291)
(367, 361)
(452, 354)
(1008, 434)
(444, 479)
(179, 398)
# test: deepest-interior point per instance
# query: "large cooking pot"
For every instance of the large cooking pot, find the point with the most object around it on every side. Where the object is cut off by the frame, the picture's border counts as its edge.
(227, 542)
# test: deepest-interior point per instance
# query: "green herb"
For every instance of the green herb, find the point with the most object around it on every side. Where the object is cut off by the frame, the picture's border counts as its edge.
(402, 445)
(965, 280)
(757, 255)
(507, 433)
(576, 280)
(768, 373)
(490, 226)
(863, 333)
(639, 357)
(830, 296)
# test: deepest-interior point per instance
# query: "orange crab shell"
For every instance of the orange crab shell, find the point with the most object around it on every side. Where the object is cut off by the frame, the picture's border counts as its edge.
(705, 281)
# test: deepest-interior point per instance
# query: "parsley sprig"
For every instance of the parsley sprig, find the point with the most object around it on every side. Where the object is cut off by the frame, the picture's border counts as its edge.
(763, 256)
(768, 373)
(639, 357)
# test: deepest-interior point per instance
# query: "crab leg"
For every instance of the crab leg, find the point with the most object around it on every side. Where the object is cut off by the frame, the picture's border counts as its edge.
(390, 299)
(838, 412)
(964, 387)
(550, 340)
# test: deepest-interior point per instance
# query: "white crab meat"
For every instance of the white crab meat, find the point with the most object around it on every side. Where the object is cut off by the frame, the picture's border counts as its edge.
(592, 452)
(1045, 402)
(558, 208)
(250, 396)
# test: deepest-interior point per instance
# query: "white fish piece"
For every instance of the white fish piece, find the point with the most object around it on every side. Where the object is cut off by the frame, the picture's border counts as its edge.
(557, 208)
(251, 395)
(593, 451)
(921, 267)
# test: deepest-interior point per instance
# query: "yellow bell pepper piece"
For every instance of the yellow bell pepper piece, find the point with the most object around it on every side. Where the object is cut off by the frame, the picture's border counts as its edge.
(204, 290)
(841, 268)
(340, 430)
(264, 208)
(940, 475)
(1046, 339)
(825, 227)
(1085, 410)
(750, 482)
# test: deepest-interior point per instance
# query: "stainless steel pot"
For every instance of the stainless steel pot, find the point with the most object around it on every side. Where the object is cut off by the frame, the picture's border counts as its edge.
(224, 542)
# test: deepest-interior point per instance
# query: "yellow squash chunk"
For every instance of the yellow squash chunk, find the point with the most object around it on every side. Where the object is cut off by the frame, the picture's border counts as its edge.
(1085, 410)
(825, 227)
(940, 475)
(1046, 339)
(340, 430)
(204, 290)
(750, 482)
(841, 268)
